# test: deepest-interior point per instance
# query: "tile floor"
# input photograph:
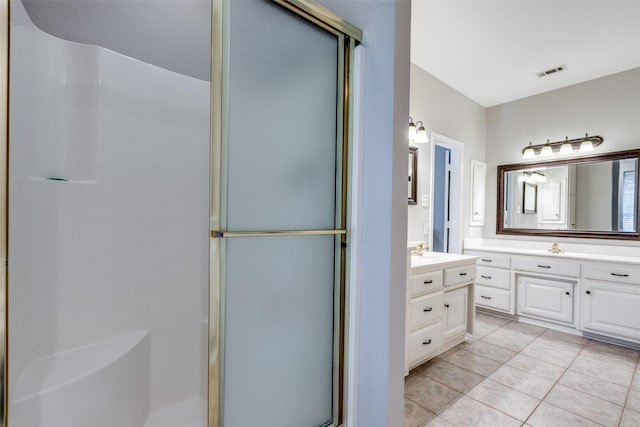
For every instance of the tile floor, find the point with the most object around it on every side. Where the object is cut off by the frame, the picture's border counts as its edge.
(514, 374)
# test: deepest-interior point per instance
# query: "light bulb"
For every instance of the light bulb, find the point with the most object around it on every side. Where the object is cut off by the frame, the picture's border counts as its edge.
(586, 146)
(421, 135)
(566, 148)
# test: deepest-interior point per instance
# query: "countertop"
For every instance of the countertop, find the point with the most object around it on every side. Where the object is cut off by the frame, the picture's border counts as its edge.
(430, 261)
(592, 253)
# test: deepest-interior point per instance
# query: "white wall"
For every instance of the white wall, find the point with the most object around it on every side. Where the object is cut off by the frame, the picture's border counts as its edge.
(447, 112)
(608, 106)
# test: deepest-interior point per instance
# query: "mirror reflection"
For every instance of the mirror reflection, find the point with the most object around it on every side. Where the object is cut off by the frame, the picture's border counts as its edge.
(595, 196)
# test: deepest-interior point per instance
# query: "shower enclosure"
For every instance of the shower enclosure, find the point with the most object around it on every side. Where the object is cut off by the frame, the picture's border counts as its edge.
(177, 234)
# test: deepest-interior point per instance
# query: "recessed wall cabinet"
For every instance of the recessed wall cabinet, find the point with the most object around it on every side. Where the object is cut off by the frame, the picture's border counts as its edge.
(440, 309)
(594, 295)
(478, 193)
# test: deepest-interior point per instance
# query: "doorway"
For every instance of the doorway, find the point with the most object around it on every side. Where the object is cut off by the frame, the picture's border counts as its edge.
(446, 211)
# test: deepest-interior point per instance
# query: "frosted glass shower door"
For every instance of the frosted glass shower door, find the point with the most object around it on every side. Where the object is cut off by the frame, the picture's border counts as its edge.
(281, 194)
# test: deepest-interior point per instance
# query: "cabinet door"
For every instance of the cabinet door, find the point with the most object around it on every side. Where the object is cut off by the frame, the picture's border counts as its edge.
(611, 308)
(455, 312)
(545, 298)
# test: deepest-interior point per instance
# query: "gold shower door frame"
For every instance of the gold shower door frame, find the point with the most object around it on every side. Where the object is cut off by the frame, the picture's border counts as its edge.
(4, 173)
(348, 36)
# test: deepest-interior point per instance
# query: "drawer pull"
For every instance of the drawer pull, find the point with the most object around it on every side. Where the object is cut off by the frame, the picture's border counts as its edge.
(446, 305)
(427, 342)
(482, 296)
(486, 260)
(588, 292)
(619, 275)
(463, 274)
(486, 277)
(544, 266)
(428, 309)
(428, 282)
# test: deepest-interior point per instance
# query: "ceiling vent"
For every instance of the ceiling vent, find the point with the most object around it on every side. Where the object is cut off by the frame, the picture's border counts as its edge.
(552, 71)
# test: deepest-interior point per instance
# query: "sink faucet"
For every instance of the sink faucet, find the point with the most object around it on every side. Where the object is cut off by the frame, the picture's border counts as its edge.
(555, 248)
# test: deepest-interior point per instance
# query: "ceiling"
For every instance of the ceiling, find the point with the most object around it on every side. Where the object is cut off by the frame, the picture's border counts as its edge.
(491, 51)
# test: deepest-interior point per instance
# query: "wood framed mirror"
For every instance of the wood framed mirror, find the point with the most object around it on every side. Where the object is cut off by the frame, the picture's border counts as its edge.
(413, 176)
(587, 197)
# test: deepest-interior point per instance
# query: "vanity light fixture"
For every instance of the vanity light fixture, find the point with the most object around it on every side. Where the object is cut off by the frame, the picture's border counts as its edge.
(568, 146)
(412, 130)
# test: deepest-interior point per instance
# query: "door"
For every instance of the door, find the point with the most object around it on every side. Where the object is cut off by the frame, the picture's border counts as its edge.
(455, 312)
(611, 308)
(545, 298)
(552, 203)
(279, 217)
(442, 197)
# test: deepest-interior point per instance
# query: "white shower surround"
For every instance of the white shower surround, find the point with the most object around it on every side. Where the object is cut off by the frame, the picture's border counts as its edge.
(122, 245)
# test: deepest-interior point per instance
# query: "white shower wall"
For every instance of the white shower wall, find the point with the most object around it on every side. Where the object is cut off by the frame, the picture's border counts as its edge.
(122, 245)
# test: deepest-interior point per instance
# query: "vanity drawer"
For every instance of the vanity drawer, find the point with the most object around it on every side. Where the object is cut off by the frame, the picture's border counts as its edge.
(424, 310)
(458, 275)
(425, 342)
(547, 266)
(425, 283)
(492, 260)
(494, 277)
(620, 273)
(493, 298)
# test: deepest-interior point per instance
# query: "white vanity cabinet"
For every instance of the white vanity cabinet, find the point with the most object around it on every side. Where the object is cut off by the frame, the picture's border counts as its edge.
(439, 305)
(493, 282)
(595, 292)
(610, 300)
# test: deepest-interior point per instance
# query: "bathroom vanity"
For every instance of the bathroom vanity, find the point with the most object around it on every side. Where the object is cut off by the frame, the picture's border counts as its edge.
(591, 290)
(440, 308)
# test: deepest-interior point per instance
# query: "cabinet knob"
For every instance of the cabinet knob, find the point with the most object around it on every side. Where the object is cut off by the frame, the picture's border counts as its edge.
(428, 309)
(567, 293)
(428, 282)
(446, 305)
(427, 342)
(588, 292)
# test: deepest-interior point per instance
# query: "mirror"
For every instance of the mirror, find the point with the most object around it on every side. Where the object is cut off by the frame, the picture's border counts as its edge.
(413, 176)
(595, 196)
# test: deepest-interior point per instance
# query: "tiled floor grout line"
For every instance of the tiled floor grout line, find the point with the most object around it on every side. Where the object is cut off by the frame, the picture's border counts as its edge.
(626, 400)
(554, 384)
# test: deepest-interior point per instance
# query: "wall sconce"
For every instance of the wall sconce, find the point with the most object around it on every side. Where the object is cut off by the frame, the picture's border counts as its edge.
(568, 146)
(417, 132)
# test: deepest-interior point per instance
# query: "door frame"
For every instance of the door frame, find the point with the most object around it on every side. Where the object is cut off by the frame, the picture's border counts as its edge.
(455, 189)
